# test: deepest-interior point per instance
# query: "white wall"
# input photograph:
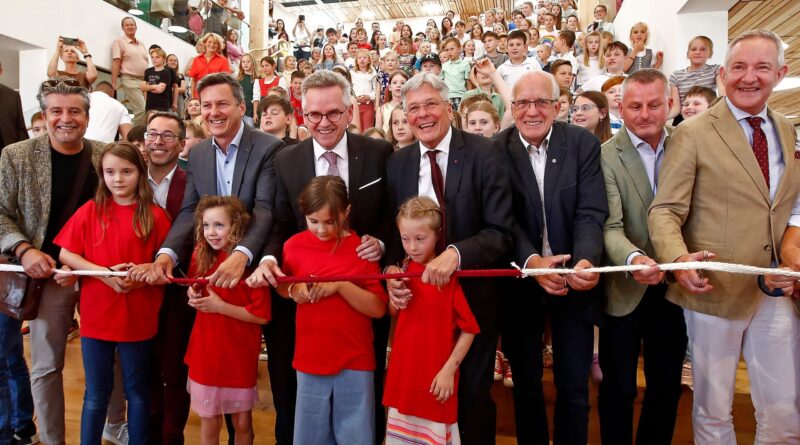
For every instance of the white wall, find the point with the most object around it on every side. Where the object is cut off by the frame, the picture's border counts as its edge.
(40, 22)
(673, 23)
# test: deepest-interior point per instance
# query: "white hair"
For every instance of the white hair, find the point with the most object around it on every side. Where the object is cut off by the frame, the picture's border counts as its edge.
(530, 75)
(757, 34)
(421, 80)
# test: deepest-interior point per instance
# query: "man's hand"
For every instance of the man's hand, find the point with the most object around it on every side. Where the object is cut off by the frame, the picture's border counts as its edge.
(369, 249)
(399, 294)
(161, 270)
(553, 284)
(582, 281)
(690, 279)
(38, 264)
(65, 280)
(230, 271)
(140, 272)
(782, 282)
(653, 275)
(441, 268)
(265, 274)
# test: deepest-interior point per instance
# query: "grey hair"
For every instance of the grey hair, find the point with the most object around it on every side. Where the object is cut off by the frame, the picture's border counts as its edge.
(210, 80)
(63, 89)
(556, 90)
(325, 79)
(757, 34)
(645, 77)
(421, 80)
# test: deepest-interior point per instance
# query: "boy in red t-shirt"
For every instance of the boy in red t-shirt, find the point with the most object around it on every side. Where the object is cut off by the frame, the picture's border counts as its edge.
(296, 96)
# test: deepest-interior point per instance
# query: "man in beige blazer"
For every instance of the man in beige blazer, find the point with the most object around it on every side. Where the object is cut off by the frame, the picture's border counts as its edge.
(727, 188)
(637, 315)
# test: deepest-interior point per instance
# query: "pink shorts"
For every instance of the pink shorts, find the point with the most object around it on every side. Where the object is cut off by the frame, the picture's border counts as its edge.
(210, 401)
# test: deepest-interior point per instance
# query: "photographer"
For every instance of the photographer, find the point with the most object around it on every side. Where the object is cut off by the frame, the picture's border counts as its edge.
(67, 50)
(302, 38)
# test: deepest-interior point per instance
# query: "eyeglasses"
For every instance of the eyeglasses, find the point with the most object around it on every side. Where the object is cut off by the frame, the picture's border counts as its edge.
(166, 137)
(315, 118)
(582, 108)
(427, 106)
(52, 83)
(524, 104)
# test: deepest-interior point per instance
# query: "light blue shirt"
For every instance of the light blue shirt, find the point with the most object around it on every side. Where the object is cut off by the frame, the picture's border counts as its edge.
(651, 159)
(225, 165)
(776, 161)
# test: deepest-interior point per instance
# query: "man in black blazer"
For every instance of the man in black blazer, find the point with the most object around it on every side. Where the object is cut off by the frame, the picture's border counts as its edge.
(559, 210)
(241, 160)
(478, 222)
(361, 163)
(12, 121)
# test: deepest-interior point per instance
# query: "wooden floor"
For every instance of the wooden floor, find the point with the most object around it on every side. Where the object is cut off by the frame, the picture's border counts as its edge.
(264, 415)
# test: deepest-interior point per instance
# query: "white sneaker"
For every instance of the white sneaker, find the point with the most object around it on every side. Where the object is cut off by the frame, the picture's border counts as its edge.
(116, 433)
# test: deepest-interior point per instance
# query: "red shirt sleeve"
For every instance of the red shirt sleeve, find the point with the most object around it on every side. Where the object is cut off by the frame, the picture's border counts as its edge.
(465, 320)
(74, 234)
(259, 302)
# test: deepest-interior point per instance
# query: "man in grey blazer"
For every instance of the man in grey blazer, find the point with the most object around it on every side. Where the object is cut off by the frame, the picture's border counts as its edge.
(236, 161)
(637, 314)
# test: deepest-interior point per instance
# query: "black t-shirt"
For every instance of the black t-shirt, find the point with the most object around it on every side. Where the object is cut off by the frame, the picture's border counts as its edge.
(63, 172)
(160, 101)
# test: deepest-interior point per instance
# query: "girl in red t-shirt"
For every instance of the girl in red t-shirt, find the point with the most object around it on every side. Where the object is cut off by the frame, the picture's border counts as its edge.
(121, 227)
(422, 384)
(333, 355)
(226, 337)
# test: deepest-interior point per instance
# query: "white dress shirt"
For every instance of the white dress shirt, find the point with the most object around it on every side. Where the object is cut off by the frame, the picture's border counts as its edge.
(321, 164)
(161, 190)
(538, 158)
(425, 180)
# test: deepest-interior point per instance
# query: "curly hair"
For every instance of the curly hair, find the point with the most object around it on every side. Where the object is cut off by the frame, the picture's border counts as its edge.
(239, 218)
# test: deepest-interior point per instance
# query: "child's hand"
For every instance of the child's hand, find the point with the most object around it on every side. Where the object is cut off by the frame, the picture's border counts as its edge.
(485, 67)
(211, 304)
(442, 385)
(321, 290)
(399, 294)
(299, 293)
(121, 285)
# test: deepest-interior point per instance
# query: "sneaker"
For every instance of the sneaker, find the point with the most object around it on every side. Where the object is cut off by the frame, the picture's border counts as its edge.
(263, 354)
(116, 433)
(74, 330)
(547, 356)
(498, 366)
(20, 439)
(25, 329)
(596, 372)
(508, 382)
(686, 375)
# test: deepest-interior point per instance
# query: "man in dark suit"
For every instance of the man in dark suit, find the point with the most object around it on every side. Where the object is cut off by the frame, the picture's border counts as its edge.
(361, 163)
(468, 179)
(559, 209)
(242, 161)
(12, 121)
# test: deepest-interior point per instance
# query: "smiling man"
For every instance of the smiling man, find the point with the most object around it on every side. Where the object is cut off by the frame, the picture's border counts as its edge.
(559, 209)
(729, 180)
(466, 175)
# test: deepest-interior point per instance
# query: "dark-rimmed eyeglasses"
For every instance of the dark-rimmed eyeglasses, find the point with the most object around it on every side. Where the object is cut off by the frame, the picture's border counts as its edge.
(166, 136)
(427, 106)
(582, 108)
(333, 116)
(524, 104)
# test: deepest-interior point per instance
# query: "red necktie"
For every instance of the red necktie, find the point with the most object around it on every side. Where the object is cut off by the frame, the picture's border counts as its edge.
(760, 146)
(438, 188)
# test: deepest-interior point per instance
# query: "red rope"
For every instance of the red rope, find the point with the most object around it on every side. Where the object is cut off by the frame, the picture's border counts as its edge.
(475, 273)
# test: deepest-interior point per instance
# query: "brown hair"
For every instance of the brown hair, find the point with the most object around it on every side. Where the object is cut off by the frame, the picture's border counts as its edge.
(705, 92)
(196, 129)
(603, 128)
(274, 99)
(143, 219)
(450, 40)
(240, 218)
(705, 40)
(486, 107)
(422, 207)
(475, 98)
(612, 82)
(601, 51)
(329, 191)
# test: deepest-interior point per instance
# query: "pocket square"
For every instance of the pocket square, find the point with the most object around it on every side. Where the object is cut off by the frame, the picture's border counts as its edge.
(379, 180)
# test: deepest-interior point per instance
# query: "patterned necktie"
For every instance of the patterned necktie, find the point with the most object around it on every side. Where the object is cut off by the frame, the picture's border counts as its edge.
(331, 157)
(760, 146)
(438, 188)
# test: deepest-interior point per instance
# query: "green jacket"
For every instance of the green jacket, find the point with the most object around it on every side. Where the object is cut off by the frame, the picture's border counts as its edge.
(629, 197)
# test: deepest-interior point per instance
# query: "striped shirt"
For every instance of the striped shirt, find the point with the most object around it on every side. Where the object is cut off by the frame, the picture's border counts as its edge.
(685, 79)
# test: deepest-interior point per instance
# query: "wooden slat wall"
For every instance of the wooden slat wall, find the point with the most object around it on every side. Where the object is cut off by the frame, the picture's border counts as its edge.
(780, 17)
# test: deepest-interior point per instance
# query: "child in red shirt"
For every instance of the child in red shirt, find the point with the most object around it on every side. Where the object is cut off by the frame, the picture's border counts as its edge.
(226, 337)
(296, 96)
(333, 356)
(120, 227)
(422, 384)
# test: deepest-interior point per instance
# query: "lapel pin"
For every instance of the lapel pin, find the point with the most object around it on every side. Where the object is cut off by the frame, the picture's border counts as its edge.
(455, 161)
(553, 161)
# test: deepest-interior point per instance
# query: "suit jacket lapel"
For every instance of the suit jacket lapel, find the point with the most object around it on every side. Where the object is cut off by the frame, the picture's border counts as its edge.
(355, 164)
(306, 164)
(175, 193)
(410, 170)
(733, 136)
(455, 161)
(43, 165)
(522, 164)
(556, 149)
(632, 162)
(245, 146)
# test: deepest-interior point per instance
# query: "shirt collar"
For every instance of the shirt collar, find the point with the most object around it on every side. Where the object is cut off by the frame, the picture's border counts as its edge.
(443, 146)
(340, 148)
(741, 114)
(236, 139)
(167, 178)
(637, 141)
(543, 145)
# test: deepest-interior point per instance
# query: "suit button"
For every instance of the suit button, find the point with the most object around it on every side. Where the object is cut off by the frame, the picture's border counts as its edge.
(766, 247)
